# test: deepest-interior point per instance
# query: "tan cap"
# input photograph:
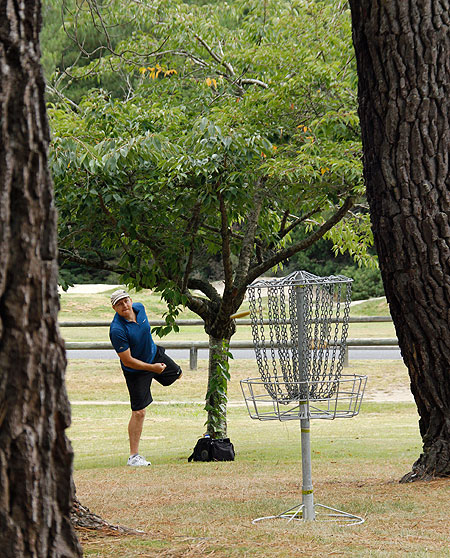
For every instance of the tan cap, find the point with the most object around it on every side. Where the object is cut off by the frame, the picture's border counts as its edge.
(118, 295)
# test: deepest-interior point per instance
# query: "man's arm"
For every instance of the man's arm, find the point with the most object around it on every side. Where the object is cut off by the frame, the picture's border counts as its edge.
(131, 362)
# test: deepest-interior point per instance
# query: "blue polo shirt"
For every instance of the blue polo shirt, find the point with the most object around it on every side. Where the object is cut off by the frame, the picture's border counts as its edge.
(134, 336)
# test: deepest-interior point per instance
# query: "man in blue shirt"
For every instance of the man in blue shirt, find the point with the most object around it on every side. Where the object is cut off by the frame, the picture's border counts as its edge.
(141, 360)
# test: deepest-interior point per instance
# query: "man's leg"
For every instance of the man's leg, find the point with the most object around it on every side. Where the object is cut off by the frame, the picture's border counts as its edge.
(171, 373)
(135, 430)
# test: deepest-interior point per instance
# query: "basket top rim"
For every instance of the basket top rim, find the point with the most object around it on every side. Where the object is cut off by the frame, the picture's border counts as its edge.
(299, 278)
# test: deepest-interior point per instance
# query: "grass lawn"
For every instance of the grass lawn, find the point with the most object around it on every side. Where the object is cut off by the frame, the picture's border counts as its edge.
(206, 509)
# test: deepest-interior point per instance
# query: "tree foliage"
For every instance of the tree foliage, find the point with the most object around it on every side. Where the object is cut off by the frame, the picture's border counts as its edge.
(237, 127)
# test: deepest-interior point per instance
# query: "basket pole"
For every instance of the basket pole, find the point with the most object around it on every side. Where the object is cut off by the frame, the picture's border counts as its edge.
(307, 487)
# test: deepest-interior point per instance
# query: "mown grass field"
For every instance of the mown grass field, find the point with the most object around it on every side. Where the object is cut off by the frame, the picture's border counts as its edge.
(206, 509)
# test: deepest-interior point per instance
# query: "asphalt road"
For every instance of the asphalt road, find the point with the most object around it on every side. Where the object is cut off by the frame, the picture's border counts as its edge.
(355, 353)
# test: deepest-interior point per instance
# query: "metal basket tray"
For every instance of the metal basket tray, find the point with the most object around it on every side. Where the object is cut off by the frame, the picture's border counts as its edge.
(268, 400)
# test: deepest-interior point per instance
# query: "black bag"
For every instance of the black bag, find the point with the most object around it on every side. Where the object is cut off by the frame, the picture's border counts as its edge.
(213, 449)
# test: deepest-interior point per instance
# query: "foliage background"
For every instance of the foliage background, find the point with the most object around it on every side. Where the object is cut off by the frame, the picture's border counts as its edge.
(210, 132)
(307, 114)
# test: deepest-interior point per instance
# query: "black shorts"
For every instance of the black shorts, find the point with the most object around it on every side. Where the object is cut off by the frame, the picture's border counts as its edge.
(139, 382)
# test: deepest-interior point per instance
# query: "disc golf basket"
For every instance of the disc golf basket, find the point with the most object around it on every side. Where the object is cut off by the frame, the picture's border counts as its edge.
(299, 327)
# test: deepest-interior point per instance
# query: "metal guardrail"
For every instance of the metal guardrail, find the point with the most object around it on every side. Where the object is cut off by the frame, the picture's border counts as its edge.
(195, 346)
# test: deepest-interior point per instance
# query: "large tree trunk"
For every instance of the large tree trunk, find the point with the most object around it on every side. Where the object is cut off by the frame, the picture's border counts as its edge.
(403, 57)
(35, 455)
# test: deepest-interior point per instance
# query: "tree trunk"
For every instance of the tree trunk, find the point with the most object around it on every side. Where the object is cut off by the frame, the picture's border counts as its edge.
(216, 396)
(36, 489)
(403, 58)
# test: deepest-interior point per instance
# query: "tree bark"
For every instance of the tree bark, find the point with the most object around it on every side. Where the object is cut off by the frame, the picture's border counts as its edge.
(36, 486)
(403, 58)
(216, 396)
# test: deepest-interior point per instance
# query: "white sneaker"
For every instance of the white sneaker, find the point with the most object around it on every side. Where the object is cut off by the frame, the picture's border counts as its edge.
(137, 461)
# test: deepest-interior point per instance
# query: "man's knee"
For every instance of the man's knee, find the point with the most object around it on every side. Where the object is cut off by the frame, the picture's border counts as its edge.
(138, 415)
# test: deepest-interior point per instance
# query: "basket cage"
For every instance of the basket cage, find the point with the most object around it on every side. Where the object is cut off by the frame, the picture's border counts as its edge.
(299, 327)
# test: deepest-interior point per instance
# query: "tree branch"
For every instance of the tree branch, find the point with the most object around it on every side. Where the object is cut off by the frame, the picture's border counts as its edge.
(251, 81)
(191, 230)
(205, 287)
(95, 12)
(249, 237)
(87, 262)
(216, 230)
(216, 57)
(137, 58)
(226, 249)
(51, 89)
(299, 246)
(229, 73)
(297, 221)
(198, 305)
(157, 253)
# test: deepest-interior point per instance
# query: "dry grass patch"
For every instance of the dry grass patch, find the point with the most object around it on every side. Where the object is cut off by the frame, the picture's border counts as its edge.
(209, 508)
(206, 509)
(90, 380)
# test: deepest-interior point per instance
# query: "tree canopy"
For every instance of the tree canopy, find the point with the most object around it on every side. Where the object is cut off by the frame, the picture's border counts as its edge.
(235, 128)
(192, 120)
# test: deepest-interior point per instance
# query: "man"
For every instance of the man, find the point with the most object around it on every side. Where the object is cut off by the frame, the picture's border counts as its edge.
(141, 360)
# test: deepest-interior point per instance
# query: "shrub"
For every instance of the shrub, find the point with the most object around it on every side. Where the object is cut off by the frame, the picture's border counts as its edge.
(367, 282)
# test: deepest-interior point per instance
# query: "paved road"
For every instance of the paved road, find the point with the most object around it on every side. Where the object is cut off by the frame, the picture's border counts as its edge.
(355, 353)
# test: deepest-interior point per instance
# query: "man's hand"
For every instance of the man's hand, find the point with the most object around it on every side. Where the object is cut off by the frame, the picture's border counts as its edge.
(158, 367)
(132, 362)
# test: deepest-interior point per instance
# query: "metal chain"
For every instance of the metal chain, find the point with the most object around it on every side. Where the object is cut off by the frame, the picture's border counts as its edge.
(307, 332)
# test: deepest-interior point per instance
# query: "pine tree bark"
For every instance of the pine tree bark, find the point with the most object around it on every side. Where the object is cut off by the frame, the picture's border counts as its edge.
(36, 486)
(403, 58)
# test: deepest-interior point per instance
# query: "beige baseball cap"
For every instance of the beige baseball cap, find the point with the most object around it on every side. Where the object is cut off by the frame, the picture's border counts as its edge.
(118, 295)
